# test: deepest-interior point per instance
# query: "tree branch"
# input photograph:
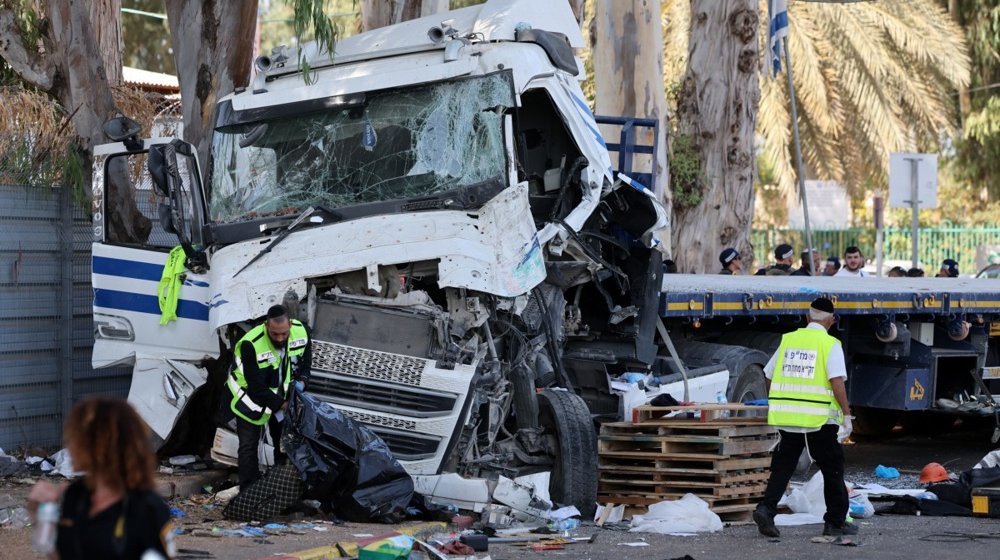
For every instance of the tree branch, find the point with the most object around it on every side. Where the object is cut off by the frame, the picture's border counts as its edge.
(34, 68)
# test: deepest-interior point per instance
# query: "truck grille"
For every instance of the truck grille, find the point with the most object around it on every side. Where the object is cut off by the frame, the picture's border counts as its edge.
(370, 364)
(382, 397)
(408, 447)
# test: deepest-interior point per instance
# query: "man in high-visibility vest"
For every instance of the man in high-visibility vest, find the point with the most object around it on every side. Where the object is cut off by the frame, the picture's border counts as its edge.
(267, 360)
(807, 402)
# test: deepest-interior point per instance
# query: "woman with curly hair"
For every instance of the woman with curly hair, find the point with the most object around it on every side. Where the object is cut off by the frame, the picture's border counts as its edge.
(112, 511)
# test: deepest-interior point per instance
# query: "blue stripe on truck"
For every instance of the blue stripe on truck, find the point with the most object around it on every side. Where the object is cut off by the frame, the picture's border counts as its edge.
(142, 303)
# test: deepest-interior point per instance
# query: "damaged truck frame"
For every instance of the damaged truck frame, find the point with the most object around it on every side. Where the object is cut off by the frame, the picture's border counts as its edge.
(438, 204)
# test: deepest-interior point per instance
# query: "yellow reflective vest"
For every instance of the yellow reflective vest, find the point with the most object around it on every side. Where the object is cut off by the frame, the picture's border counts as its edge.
(801, 395)
(277, 372)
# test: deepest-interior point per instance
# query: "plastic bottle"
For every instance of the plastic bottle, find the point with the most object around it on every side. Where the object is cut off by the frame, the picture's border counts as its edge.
(43, 539)
(720, 398)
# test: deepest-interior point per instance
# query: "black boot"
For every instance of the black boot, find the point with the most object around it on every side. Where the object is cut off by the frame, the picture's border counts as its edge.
(765, 522)
(831, 530)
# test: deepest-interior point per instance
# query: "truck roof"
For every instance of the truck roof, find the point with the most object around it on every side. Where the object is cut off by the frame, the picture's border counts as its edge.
(492, 21)
(708, 295)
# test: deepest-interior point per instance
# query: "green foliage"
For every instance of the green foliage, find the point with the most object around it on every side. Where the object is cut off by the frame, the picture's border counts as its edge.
(310, 16)
(686, 178)
(74, 175)
(975, 165)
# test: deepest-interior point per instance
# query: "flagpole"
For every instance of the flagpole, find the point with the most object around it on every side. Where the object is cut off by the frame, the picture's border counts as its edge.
(798, 158)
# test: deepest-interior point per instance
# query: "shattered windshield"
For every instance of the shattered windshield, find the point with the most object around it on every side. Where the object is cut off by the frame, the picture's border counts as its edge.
(398, 144)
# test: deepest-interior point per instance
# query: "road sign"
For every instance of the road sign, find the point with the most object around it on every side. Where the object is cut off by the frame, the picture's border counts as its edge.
(901, 180)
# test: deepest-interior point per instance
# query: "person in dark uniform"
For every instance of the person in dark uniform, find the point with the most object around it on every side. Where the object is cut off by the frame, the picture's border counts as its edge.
(267, 360)
(804, 269)
(732, 262)
(949, 269)
(782, 262)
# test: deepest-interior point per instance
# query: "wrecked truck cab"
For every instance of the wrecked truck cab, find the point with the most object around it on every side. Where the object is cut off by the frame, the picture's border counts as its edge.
(440, 209)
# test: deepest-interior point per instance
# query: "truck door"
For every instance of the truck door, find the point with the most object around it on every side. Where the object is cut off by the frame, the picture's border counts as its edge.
(127, 272)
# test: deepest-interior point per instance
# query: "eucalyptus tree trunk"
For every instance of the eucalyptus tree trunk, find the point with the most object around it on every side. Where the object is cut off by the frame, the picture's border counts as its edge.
(213, 50)
(380, 13)
(627, 49)
(716, 115)
(73, 70)
(106, 18)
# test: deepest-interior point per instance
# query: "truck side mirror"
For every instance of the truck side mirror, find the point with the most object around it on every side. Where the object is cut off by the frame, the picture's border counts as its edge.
(157, 166)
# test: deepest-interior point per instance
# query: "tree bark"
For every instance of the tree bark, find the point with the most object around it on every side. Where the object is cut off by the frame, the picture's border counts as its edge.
(717, 112)
(964, 98)
(578, 6)
(380, 13)
(213, 50)
(83, 89)
(627, 48)
(105, 15)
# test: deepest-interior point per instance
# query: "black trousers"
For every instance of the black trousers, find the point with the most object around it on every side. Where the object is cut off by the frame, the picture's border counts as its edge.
(249, 440)
(828, 454)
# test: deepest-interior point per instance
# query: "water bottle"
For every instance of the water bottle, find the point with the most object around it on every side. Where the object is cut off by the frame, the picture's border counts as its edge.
(720, 398)
(43, 540)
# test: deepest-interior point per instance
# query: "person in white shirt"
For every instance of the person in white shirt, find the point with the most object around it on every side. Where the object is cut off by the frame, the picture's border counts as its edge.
(854, 262)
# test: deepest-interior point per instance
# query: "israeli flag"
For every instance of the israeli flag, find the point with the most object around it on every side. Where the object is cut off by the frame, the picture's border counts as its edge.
(777, 29)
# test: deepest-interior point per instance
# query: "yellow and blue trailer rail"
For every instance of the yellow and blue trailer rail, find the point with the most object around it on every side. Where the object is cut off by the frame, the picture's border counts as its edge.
(705, 296)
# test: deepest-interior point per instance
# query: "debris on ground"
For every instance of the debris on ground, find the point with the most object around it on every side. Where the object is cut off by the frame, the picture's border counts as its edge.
(883, 471)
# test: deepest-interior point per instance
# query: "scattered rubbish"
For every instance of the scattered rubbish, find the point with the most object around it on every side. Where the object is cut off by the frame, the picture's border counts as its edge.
(15, 517)
(991, 459)
(228, 494)
(362, 535)
(275, 526)
(463, 522)
(860, 506)
(64, 464)
(564, 513)
(609, 513)
(10, 466)
(345, 463)
(478, 542)
(633, 544)
(566, 525)
(882, 471)
(177, 512)
(522, 499)
(181, 460)
(840, 541)
(392, 548)
(685, 516)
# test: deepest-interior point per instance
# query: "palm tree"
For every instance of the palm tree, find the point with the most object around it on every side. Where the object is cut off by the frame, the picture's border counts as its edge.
(871, 78)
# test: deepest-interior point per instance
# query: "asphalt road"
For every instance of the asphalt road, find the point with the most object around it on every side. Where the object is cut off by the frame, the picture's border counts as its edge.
(883, 537)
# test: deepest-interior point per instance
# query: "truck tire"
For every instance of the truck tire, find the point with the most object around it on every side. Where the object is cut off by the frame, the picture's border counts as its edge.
(574, 472)
(746, 366)
(766, 342)
(750, 385)
(873, 421)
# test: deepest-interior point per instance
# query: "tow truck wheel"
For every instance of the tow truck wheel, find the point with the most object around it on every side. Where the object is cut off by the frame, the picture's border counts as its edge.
(574, 471)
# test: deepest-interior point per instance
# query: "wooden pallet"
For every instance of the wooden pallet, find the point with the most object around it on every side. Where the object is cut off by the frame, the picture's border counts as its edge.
(723, 461)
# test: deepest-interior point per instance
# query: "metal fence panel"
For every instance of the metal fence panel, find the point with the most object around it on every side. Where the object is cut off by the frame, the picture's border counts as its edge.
(934, 244)
(46, 330)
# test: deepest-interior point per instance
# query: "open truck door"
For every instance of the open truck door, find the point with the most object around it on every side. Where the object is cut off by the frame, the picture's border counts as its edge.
(164, 180)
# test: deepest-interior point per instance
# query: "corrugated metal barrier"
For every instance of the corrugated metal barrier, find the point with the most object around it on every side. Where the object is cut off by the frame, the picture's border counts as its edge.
(46, 332)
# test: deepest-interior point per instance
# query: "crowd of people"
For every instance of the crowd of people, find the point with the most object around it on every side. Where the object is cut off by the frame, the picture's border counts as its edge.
(853, 264)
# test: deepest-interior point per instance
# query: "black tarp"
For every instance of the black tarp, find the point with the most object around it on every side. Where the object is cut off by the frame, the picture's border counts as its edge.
(344, 463)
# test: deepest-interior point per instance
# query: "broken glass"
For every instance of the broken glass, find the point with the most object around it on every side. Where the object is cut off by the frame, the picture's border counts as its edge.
(401, 144)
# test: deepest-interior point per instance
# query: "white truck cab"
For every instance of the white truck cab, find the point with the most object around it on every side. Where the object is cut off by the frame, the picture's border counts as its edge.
(437, 203)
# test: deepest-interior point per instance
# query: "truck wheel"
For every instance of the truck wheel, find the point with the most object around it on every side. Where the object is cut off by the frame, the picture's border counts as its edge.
(873, 421)
(574, 472)
(750, 384)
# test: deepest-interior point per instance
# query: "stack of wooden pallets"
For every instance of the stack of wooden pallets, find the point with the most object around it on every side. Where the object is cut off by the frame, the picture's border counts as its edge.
(722, 459)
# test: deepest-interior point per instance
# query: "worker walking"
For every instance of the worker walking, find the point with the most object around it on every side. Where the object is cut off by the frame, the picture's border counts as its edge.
(267, 360)
(732, 262)
(807, 402)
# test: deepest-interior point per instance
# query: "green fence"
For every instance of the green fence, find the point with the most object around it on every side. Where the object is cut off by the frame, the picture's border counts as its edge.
(935, 244)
